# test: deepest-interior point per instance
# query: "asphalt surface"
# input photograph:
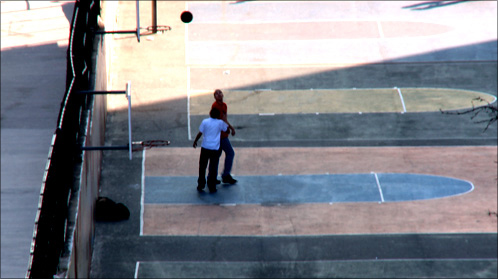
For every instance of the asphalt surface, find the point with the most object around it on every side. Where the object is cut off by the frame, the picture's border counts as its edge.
(175, 232)
(277, 46)
(34, 44)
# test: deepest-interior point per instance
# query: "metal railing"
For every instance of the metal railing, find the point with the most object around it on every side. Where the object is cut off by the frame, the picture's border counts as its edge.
(55, 220)
(51, 220)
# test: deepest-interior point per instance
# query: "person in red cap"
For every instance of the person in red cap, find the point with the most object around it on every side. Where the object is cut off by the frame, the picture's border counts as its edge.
(225, 144)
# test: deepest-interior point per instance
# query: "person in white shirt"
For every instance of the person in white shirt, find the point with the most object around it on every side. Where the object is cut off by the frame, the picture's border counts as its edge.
(211, 129)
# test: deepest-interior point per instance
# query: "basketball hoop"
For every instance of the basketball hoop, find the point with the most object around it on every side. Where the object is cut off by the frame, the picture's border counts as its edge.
(148, 144)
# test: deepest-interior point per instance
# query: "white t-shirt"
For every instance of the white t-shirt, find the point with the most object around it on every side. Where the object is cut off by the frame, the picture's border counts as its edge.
(211, 130)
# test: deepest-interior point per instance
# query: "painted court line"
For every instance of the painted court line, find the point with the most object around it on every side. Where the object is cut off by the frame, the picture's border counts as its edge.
(296, 189)
(188, 104)
(142, 199)
(316, 268)
(216, 215)
(402, 100)
(332, 101)
(378, 185)
(249, 22)
(187, 62)
(381, 32)
(137, 266)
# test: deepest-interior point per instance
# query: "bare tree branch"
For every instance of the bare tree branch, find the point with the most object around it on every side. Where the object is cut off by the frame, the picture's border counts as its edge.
(490, 109)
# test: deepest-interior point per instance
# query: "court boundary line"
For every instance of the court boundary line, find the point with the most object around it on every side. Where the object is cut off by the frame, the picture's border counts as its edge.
(276, 91)
(402, 100)
(319, 235)
(332, 64)
(322, 147)
(371, 140)
(332, 260)
(328, 174)
(187, 63)
(142, 198)
(333, 113)
(351, 88)
(346, 88)
(137, 266)
(382, 201)
(335, 65)
(382, 260)
(188, 105)
(254, 22)
(381, 31)
(378, 186)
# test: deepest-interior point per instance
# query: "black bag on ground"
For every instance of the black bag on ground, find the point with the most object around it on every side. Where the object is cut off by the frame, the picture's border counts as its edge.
(108, 210)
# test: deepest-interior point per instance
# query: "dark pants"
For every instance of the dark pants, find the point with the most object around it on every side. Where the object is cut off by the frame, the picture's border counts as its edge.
(213, 157)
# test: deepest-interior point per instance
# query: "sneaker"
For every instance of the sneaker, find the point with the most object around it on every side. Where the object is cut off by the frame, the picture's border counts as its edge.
(200, 189)
(228, 179)
(213, 190)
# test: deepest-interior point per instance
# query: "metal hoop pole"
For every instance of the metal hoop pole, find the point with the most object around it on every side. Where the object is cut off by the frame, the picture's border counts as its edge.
(138, 21)
(154, 16)
(128, 96)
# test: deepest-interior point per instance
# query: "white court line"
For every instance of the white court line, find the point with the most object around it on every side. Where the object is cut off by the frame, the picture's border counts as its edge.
(142, 198)
(188, 104)
(381, 32)
(186, 37)
(378, 186)
(228, 204)
(137, 265)
(326, 89)
(280, 65)
(251, 43)
(188, 78)
(276, 91)
(402, 100)
(262, 21)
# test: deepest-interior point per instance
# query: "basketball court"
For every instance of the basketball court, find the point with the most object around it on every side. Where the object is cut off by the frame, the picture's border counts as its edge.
(346, 166)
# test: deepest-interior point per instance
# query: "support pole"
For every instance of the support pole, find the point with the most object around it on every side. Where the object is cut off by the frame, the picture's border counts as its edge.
(128, 96)
(138, 21)
(154, 16)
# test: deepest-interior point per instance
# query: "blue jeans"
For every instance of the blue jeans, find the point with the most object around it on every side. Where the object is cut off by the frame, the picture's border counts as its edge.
(229, 155)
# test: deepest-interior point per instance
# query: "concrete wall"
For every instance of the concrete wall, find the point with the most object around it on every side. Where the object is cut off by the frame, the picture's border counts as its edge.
(76, 259)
